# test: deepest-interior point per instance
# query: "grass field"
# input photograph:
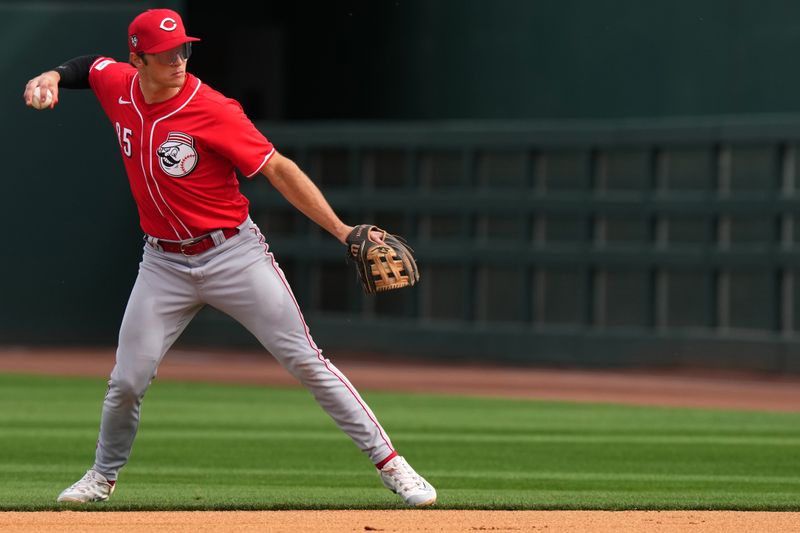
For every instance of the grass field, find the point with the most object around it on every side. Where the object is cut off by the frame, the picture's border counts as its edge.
(237, 447)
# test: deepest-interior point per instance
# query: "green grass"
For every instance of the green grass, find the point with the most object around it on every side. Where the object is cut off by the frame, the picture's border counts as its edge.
(236, 447)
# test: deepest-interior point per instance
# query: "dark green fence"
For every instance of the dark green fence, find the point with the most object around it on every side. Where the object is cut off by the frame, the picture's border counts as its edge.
(591, 243)
(588, 243)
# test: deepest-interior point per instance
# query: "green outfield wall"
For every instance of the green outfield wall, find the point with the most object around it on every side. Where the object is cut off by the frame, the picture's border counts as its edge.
(627, 242)
(551, 225)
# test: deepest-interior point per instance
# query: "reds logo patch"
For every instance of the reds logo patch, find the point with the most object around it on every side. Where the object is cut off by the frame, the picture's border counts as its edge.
(177, 155)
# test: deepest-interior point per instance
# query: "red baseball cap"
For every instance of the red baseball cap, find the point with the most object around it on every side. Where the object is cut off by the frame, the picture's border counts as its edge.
(157, 30)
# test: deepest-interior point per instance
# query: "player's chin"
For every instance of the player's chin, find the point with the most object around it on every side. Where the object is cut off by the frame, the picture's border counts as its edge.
(177, 79)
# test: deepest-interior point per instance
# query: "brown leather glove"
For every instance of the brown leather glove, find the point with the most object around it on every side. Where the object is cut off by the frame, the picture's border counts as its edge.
(381, 267)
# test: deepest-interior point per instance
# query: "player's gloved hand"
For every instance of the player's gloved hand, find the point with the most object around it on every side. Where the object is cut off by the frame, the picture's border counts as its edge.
(383, 261)
(46, 80)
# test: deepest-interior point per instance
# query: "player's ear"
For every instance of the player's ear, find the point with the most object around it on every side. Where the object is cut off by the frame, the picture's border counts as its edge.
(137, 60)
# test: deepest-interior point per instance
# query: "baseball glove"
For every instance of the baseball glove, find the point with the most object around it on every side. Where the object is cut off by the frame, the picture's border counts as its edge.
(381, 267)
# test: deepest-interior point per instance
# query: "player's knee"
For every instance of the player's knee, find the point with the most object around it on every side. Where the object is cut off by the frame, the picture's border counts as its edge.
(310, 372)
(127, 390)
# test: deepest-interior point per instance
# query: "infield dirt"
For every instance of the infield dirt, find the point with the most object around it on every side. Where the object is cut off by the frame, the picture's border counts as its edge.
(402, 521)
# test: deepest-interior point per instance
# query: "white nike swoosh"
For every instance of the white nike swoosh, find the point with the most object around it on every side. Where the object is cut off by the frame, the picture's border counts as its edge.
(121, 101)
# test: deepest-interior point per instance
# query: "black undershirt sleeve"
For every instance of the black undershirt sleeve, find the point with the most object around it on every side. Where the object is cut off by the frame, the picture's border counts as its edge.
(75, 72)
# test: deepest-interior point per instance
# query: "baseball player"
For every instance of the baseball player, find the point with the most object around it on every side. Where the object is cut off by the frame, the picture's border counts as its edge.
(180, 142)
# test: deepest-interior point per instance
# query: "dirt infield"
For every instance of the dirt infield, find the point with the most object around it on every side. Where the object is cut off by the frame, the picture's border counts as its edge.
(674, 388)
(401, 521)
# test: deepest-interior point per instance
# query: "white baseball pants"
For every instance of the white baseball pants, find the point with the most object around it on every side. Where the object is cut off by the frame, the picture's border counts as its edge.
(241, 278)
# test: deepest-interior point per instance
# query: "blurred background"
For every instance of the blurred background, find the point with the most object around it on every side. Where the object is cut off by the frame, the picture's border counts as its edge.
(586, 184)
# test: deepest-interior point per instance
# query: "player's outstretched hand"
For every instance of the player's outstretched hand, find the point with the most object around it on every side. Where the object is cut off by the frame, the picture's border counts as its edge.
(47, 94)
(375, 235)
(383, 261)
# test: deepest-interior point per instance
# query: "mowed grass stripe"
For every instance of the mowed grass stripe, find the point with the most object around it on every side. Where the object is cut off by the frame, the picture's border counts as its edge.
(205, 446)
(155, 434)
(15, 469)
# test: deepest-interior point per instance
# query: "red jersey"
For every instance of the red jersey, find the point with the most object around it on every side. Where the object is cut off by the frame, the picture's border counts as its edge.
(180, 155)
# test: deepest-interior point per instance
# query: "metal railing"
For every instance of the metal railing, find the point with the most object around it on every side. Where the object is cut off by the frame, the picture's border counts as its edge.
(591, 243)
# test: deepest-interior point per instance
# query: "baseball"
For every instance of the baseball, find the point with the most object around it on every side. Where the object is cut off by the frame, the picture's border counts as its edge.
(37, 103)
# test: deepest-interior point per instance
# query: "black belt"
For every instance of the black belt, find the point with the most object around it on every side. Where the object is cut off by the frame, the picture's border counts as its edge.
(194, 246)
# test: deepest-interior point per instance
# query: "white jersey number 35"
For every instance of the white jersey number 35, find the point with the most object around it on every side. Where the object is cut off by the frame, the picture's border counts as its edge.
(124, 138)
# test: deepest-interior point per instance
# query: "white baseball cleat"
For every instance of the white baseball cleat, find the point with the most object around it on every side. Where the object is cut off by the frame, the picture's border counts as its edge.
(92, 487)
(398, 476)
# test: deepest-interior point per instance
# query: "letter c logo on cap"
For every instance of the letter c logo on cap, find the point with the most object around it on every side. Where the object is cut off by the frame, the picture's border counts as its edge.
(168, 24)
